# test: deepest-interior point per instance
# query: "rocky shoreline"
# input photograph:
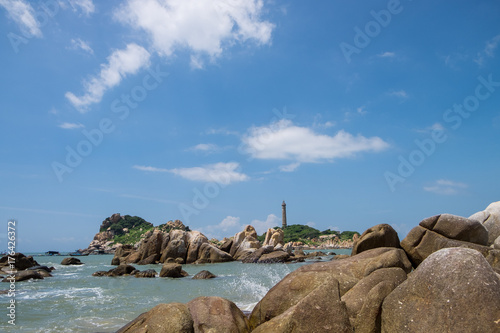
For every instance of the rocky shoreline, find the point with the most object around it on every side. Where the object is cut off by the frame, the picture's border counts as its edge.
(443, 277)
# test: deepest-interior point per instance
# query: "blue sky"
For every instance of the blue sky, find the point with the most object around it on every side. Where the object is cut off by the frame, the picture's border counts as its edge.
(213, 112)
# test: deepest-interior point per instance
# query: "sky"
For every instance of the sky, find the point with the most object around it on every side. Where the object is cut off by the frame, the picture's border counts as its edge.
(214, 112)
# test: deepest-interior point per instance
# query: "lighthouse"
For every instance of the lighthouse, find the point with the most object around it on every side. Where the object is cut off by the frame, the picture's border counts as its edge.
(283, 210)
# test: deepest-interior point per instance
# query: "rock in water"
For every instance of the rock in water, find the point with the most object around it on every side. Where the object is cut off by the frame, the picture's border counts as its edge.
(149, 273)
(216, 314)
(453, 290)
(25, 275)
(172, 270)
(204, 275)
(118, 271)
(382, 235)
(274, 257)
(163, 318)
(71, 261)
(20, 261)
(244, 243)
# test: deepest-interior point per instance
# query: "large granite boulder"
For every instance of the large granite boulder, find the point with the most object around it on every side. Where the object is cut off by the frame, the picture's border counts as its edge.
(321, 310)
(453, 290)
(195, 240)
(364, 300)
(19, 260)
(348, 272)
(177, 246)
(457, 227)
(244, 243)
(150, 248)
(172, 270)
(382, 235)
(422, 242)
(163, 318)
(274, 257)
(226, 245)
(490, 218)
(216, 314)
(208, 253)
(274, 237)
(71, 261)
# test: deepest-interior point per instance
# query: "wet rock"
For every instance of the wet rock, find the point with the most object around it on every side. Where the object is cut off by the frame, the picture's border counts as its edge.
(149, 273)
(24, 276)
(172, 270)
(382, 235)
(71, 261)
(204, 275)
(274, 257)
(19, 260)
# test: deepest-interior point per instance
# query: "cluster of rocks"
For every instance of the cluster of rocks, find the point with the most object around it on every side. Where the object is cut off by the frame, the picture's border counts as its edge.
(171, 270)
(24, 268)
(443, 277)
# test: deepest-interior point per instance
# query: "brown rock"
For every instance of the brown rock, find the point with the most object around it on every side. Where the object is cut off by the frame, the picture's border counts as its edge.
(319, 311)
(457, 227)
(203, 275)
(382, 235)
(216, 314)
(274, 257)
(255, 256)
(244, 243)
(171, 270)
(150, 248)
(453, 290)
(163, 318)
(195, 240)
(177, 246)
(149, 273)
(24, 276)
(121, 270)
(226, 245)
(210, 254)
(298, 284)
(19, 260)
(71, 261)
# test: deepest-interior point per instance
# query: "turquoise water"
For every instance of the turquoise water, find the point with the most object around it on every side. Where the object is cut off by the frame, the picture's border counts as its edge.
(75, 301)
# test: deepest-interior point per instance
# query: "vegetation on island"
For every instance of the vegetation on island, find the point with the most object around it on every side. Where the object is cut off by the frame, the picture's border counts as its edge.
(309, 235)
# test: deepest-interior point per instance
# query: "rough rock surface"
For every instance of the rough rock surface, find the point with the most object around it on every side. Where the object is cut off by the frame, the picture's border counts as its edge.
(244, 243)
(172, 270)
(118, 271)
(274, 237)
(71, 261)
(20, 261)
(382, 235)
(216, 314)
(25, 275)
(274, 257)
(490, 218)
(148, 273)
(457, 227)
(453, 290)
(163, 318)
(203, 275)
(321, 310)
(210, 254)
(298, 284)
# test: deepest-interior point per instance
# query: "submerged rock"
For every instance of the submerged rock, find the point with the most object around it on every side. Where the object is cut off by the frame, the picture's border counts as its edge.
(172, 270)
(204, 275)
(71, 261)
(25, 275)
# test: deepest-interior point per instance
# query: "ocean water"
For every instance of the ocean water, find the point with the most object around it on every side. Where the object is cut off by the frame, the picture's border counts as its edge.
(75, 301)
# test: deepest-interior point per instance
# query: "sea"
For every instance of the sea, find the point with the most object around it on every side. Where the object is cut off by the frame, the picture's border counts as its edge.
(75, 301)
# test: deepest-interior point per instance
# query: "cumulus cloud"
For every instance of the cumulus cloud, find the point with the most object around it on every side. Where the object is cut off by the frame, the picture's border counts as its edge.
(205, 147)
(488, 51)
(23, 14)
(221, 173)
(71, 126)
(289, 167)
(270, 222)
(120, 64)
(203, 27)
(446, 187)
(285, 141)
(78, 44)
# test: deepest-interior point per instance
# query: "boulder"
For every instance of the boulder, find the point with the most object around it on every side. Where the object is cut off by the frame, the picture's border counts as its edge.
(121, 254)
(203, 275)
(177, 246)
(244, 243)
(274, 257)
(19, 260)
(122, 269)
(172, 270)
(43, 272)
(210, 254)
(421, 243)
(195, 240)
(226, 245)
(24, 276)
(298, 284)
(453, 290)
(163, 318)
(457, 227)
(364, 300)
(71, 261)
(274, 237)
(42, 268)
(216, 314)
(255, 256)
(319, 311)
(150, 247)
(490, 219)
(148, 273)
(382, 235)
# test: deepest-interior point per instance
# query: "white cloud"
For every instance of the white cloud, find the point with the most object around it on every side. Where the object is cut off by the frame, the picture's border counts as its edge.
(71, 126)
(284, 141)
(82, 45)
(229, 226)
(398, 93)
(221, 173)
(262, 226)
(86, 6)
(436, 127)
(289, 167)
(488, 51)
(205, 147)
(446, 187)
(24, 15)
(203, 27)
(120, 63)
(311, 224)
(387, 55)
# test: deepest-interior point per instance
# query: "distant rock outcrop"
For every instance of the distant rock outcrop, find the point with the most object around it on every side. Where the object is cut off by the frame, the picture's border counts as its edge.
(274, 237)
(71, 261)
(244, 243)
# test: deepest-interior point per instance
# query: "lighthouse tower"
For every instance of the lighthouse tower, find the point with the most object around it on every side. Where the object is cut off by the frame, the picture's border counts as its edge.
(283, 209)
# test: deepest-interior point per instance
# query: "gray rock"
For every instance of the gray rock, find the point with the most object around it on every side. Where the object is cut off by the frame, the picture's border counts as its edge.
(203, 275)
(457, 227)
(71, 261)
(24, 276)
(382, 235)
